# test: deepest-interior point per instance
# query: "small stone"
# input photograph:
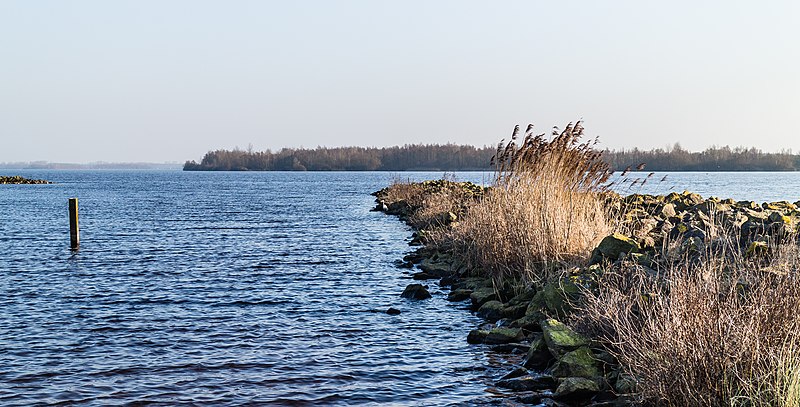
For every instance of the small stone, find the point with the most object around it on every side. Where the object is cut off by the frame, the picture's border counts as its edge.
(416, 292)
(393, 311)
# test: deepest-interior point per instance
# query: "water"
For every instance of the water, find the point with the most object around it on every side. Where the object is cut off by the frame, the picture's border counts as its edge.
(238, 288)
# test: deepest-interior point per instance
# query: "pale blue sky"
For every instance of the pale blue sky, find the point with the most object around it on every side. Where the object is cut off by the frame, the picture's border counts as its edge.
(162, 81)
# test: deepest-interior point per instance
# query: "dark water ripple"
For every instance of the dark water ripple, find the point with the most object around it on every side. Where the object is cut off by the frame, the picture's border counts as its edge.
(219, 289)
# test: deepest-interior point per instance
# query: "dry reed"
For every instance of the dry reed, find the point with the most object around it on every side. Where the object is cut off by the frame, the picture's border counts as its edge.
(544, 208)
(721, 331)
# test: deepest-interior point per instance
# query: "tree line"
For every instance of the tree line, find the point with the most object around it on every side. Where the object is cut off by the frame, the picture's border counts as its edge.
(724, 158)
(433, 157)
(452, 157)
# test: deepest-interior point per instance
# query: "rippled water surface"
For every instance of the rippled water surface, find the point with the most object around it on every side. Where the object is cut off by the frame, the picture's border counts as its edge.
(236, 288)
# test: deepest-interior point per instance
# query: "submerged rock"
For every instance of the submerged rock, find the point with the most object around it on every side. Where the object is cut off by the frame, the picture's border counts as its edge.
(503, 335)
(528, 383)
(393, 311)
(416, 292)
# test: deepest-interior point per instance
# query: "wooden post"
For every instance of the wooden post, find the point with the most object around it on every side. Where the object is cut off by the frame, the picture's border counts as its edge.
(74, 233)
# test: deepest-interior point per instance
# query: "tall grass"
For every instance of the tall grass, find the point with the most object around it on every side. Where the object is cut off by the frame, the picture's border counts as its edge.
(722, 330)
(544, 208)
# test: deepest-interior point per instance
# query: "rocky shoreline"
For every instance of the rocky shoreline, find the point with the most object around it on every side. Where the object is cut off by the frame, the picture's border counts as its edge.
(555, 365)
(16, 179)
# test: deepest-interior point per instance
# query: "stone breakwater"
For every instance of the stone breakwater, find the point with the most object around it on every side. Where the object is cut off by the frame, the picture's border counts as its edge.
(557, 366)
(16, 179)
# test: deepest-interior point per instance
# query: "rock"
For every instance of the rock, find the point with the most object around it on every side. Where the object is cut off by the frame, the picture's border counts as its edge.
(438, 268)
(528, 383)
(625, 384)
(576, 389)
(560, 339)
(529, 323)
(445, 218)
(503, 335)
(423, 276)
(613, 245)
(459, 294)
(393, 311)
(482, 295)
(539, 356)
(756, 249)
(666, 211)
(552, 299)
(511, 348)
(518, 372)
(577, 363)
(477, 336)
(416, 292)
(491, 310)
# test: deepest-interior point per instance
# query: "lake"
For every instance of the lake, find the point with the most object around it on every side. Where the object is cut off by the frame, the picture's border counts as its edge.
(240, 288)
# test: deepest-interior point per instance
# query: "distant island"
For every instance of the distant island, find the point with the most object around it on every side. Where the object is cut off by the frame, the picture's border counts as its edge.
(45, 165)
(452, 157)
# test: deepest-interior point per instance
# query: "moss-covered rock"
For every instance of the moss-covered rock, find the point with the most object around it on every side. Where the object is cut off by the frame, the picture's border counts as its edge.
(576, 389)
(577, 363)
(613, 245)
(482, 295)
(503, 335)
(491, 310)
(560, 338)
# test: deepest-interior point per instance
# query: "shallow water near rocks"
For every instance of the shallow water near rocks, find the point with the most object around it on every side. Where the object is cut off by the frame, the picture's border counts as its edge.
(237, 288)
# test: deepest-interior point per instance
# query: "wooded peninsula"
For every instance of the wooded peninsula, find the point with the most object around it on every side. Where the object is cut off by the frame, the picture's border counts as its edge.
(453, 157)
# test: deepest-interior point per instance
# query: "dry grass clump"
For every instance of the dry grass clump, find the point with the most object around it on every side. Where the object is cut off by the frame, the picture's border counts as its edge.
(430, 204)
(722, 331)
(544, 207)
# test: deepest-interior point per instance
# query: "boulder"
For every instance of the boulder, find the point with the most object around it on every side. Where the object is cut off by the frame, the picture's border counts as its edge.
(576, 389)
(538, 356)
(491, 310)
(482, 295)
(416, 292)
(503, 335)
(613, 245)
(477, 336)
(560, 339)
(577, 363)
(528, 383)
(459, 294)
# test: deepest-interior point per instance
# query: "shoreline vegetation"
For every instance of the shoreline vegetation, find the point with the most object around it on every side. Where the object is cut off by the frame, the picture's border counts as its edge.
(452, 157)
(609, 300)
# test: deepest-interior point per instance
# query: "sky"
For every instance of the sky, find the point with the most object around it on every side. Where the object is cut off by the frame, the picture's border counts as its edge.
(168, 80)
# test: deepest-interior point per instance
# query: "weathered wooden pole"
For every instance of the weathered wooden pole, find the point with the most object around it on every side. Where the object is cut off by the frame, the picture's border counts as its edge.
(74, 233)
